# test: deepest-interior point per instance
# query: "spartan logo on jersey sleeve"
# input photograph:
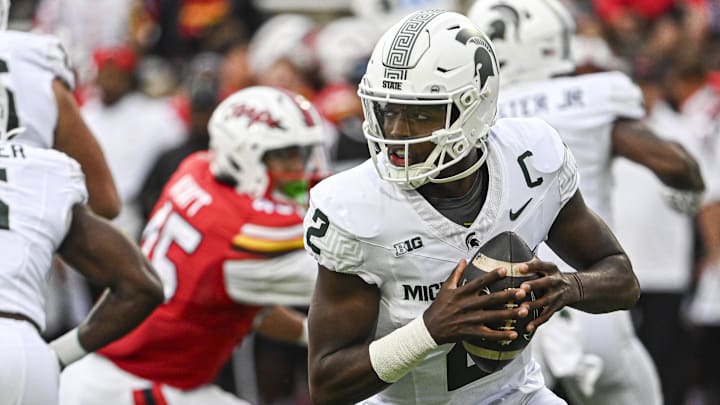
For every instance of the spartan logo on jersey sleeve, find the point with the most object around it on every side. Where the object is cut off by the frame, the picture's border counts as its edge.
(407, 246)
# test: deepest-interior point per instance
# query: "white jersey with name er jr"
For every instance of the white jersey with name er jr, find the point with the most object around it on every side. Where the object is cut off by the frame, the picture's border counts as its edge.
(583, 109)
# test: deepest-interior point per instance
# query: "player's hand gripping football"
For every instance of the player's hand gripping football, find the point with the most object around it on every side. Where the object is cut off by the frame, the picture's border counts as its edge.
(554, 289)
(460, 312)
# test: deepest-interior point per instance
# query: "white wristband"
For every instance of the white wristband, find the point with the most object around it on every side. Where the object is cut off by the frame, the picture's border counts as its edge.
(394, 355)
(304, 335)
(68, 347)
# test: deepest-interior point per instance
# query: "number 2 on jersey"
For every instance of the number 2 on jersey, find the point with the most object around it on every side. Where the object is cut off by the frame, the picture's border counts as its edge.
(460, 372)
(4, 209)
(165, 228)
(317, 231)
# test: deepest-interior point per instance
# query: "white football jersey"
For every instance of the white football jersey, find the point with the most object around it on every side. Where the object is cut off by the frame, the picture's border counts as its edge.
(38, 188)
(393, 238)
(583, 109)
(28, 64)
(701, 120)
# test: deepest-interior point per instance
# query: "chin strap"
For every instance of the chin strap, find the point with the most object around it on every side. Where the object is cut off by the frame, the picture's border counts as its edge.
(470, 170)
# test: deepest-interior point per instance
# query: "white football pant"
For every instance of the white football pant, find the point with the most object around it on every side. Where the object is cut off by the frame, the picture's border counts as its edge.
(96, 380)
(628, 375)
(28, 367)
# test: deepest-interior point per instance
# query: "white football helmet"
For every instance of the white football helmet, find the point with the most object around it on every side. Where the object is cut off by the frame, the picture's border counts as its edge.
(4, 14)
(256, 120)
(531, 37)
(431, 58)
(284, 36)
(385, 13)
(342, 45)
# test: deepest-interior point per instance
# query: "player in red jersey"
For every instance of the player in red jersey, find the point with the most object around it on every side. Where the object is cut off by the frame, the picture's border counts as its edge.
(226, 238)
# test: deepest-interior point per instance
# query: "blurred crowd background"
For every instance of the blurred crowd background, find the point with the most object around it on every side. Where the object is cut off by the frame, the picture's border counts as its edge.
(150, 73)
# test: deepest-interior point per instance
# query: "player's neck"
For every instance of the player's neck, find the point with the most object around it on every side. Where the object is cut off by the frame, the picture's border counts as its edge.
(453, 189)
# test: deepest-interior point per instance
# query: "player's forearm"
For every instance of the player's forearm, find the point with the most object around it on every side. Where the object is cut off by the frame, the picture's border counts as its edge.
(282, 323)
(343, 377)
(608, 285)
(73, 137)
(103, 198)
(680, 170)
(118, 311)
(669, 161)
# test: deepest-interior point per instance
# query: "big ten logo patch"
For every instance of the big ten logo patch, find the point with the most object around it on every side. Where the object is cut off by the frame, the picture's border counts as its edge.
(407, 246)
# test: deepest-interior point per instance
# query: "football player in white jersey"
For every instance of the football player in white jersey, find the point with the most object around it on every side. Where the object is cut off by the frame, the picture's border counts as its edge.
(599, 117)
(391, 235)
(42, 212)
(38, 84)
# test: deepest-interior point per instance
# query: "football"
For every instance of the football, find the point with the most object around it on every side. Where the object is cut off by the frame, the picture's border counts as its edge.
(506, 250)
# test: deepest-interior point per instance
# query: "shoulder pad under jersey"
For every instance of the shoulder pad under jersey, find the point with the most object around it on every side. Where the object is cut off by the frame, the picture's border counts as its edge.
(353, 199)
(614, 93)
(55, 161)
(272, 228)
(43, 51)
(534, 135)
(62, 171)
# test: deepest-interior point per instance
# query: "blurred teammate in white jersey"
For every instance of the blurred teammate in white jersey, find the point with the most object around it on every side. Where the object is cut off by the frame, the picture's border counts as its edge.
(43, 212)
(38, 85)
(599, 117)
(444, 177)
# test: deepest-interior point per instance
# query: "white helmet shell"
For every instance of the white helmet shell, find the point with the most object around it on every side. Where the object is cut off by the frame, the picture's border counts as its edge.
(342, 45)
(432, 57)
(256, 120)
(532, 38)
(4, 14)
(284, 36)
(385, 13)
